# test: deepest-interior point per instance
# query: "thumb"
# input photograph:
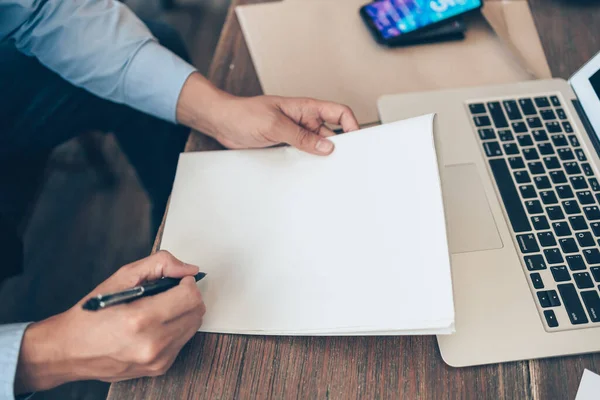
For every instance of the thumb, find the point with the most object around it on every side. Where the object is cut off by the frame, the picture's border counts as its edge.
(150, 268)
(304, 139)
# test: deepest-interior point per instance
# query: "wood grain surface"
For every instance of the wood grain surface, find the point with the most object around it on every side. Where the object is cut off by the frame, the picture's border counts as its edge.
(226, 366)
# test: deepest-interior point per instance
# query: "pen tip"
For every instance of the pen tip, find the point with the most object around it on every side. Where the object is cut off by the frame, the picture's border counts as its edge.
(199, 276)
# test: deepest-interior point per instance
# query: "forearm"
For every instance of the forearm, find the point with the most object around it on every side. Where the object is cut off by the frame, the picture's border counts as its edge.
(43, 362)
(201, 105)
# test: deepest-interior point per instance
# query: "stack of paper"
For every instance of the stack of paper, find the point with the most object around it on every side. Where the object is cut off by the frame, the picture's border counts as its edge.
(296, 244)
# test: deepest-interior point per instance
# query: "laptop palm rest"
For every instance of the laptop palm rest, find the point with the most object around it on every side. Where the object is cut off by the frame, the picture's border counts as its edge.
(471, 225)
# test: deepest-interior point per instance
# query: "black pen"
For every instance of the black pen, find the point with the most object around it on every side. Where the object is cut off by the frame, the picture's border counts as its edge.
(147, 289)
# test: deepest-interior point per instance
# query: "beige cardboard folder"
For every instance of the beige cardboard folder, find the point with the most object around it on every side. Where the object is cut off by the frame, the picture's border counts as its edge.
(321, 49)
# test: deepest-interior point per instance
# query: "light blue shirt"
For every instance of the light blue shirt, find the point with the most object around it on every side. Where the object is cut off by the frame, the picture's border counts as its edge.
(101, 46)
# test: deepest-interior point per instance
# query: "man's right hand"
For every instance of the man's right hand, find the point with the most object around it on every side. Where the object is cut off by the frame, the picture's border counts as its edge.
(127, 341)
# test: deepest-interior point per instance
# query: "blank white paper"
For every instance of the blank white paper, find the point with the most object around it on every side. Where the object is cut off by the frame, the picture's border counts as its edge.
(297, 244)
(589, 387)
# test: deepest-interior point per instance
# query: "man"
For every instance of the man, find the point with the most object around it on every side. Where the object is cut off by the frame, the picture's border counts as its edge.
(67, 67)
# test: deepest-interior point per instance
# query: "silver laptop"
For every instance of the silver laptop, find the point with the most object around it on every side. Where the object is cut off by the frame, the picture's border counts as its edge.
(520, 173)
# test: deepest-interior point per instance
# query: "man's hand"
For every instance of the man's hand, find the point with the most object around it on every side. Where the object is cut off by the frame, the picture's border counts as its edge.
(127, 341)
(262, 121)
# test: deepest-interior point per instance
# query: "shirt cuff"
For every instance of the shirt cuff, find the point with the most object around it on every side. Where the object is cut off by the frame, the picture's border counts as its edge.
(10, 346)
(154, 80)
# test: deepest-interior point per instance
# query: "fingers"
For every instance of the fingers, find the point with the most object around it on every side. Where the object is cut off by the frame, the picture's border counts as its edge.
(174, 303)
(303, 139)
(337, 114)
(324, 131)
(156, 266)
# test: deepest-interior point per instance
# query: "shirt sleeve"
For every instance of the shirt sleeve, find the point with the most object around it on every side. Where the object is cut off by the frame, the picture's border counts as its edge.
(101, 46)
(10, 345)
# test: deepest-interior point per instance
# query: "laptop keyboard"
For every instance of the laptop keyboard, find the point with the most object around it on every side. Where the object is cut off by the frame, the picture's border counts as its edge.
(551, 195)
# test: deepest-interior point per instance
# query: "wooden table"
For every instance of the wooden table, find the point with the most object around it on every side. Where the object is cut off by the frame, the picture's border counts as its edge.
(225, 366)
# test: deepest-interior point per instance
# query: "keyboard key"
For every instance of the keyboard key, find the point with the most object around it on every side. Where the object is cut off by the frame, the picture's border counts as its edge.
(551, 127)
(486, 134)
(583, 280)
(510, 196)
(527, 191)
(578, 223)
(568, 245)
(477, 108)
(573, 140)
(536, 280)
(585, 239)
(550, 318)
(594, 184)
(548, 197)
(565, 154)
(592, 256)
(551, 162)
(585, 197)
(570, 299)
(561, 229)
(523, 177)
(592, 213)
(555, 101)
(540, 223)
(595, 228)
(536, 168)
(492, 149)
(542, 102)
(546, 149)
(559, 140)
(564, 192)
(516, 162)
(548, 115)
(543, 299)
(540, 135)
(576, 263)
(596, 273)
(555, 213)
(542, 182)
(571, 207)
(580, 155)
(512, 110)
(572, 168)
(561, 113)
(527, 106)
(587, 169)
(505, 135)
(553, 256)
(578, 182)
(482, 120)
(560, 274)
(525, 140)
(546, 239)
(567, 127)
(510, 148)
(533, 207)
(527, 243)
(535, 262)
(558, 176)
(534, 122)
(519, 127)
(554, 299)
(592, 303)
(497, 114)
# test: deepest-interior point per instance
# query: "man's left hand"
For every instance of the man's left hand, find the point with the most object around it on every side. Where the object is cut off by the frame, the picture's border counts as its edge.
(262, 121)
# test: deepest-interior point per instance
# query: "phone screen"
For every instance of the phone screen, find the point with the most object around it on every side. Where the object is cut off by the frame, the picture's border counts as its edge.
(395, 17)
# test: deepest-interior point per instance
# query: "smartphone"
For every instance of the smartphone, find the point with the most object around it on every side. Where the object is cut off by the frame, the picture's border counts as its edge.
(393, 21)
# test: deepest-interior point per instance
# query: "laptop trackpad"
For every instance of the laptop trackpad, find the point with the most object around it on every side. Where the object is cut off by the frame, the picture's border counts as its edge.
(471, 225)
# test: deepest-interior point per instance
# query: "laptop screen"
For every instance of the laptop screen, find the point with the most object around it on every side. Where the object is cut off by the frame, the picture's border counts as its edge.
(595, 81)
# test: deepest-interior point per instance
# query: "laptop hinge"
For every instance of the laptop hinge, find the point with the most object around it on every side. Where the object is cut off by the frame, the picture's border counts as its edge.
(588, 126)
